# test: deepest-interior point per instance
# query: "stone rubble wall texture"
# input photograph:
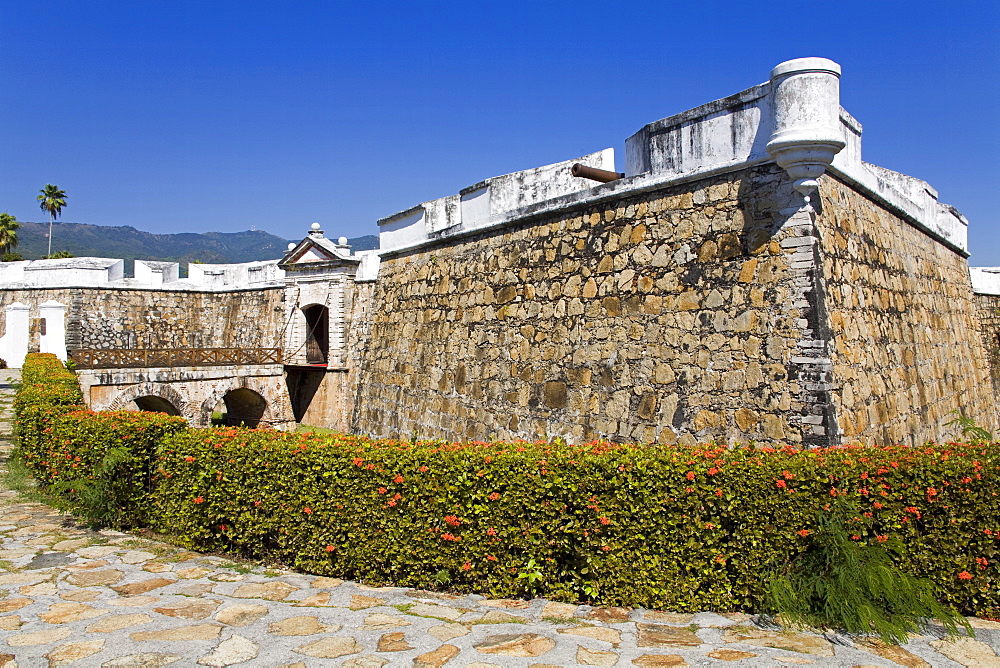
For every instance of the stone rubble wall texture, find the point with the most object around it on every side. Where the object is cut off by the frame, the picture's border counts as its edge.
(656, 317)
(108, 318)
(988, 314)
(713, 310)
(908, 349)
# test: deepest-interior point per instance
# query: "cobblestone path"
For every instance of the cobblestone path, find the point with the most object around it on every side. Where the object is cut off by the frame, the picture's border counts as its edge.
(71, 596)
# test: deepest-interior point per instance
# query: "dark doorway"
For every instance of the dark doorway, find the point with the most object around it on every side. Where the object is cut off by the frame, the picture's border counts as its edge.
(317, 333)
(302, 385)
(153, 404)
(240, 408)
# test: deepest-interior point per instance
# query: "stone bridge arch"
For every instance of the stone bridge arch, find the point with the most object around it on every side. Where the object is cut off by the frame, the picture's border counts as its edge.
(266, 416)
(164, 393)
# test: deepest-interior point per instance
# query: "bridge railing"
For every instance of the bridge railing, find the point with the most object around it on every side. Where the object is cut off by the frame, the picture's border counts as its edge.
(86, 358)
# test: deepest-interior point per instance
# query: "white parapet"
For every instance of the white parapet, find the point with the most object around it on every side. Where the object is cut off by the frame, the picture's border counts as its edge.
(985, 280)
(149, 272)
(487, 203)
(14, 342)
(233, 276)
(53, 336)
(75, 271)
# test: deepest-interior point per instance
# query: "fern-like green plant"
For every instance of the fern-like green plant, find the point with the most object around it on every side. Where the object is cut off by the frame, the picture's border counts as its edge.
(843, 584)
(969, 429)
(96, 499)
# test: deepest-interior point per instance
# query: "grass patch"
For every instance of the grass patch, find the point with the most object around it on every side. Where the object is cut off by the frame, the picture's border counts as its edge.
(310, 429)
(404, 607)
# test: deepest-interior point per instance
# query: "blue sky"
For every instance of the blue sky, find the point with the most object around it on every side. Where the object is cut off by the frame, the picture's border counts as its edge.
(225, 116)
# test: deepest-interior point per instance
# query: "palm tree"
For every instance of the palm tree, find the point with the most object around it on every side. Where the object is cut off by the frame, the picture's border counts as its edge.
(52, 200)
(8, 232)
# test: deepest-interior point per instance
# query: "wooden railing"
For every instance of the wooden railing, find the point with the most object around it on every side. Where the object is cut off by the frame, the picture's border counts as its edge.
(171, 357)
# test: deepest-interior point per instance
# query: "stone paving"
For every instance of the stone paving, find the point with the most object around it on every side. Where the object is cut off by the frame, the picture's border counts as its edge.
(71, 596)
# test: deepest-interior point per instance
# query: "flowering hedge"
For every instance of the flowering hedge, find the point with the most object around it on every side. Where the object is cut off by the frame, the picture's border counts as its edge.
(660, 526)
(99, 463)
(681, 528)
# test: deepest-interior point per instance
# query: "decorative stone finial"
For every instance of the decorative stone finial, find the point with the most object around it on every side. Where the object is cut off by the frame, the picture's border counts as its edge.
(807, 134)
(315, 232)
(342, 241)
(315, 226)
(291, 246)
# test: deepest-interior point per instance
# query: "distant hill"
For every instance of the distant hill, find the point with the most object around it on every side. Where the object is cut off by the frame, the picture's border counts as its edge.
(131, 244)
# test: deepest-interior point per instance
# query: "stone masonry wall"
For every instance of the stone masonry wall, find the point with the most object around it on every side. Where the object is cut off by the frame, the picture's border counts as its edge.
(670, 315)
(907, 339)
(988, 311)
(111, 318)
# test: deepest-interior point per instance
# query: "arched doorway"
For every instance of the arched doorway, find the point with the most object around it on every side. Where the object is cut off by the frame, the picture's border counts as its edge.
(239, 408)
(154, 404)
(317, 333)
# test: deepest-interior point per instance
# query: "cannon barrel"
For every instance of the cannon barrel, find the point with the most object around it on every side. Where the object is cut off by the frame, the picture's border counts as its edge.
(594, 174)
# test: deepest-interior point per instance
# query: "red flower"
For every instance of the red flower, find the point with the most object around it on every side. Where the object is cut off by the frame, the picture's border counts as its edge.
(881, 539)
(491, 532)
(357, 461)
(398, 479)
(709, 525)
(787, 475)
(713, 471)
(689, 475)
(198, 499)
(718, 492)
(804, 532)
(467, 566)
(307, 510)
(490, 557)
(965, 575)
(451, 520)
(781, 484)
(604, 520)
(382, 490)
(423, 469)
(189, 458)
(330, 548)
(494, 496)
(855, 537)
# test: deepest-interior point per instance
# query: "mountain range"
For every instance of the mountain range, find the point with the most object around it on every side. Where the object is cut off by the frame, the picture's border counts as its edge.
(83, 240)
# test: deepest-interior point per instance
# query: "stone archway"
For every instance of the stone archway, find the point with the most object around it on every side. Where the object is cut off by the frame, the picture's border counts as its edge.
(244, 405)
(155, 397)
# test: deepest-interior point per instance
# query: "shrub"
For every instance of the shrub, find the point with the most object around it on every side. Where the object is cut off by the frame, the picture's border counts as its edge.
(682, 528)
(658, 526)
(98, 463)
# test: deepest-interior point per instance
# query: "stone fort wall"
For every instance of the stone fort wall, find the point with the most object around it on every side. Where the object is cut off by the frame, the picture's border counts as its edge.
(907, 349)
(714, 310)
(122, 318)
(658, 316)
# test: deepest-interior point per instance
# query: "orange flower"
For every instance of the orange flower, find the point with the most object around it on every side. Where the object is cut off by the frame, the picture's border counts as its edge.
(467, 566)
(490, 557)
(307, 510)
(709, 525)
(189, 458)
(330, 548)
(689, 475)
(494, 496)
(781, 484)
(198, 499)
(423, 469)
(803, 532)
(881, 539)
(382, 490)
(965, 575)
(491, 532)
(398, 479)
(604, 520)
(357, 461)
(452, 520)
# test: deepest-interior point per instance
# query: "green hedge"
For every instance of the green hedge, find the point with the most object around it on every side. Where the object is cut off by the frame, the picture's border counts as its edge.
(98, 463)
(681, 528)
(658, 526)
